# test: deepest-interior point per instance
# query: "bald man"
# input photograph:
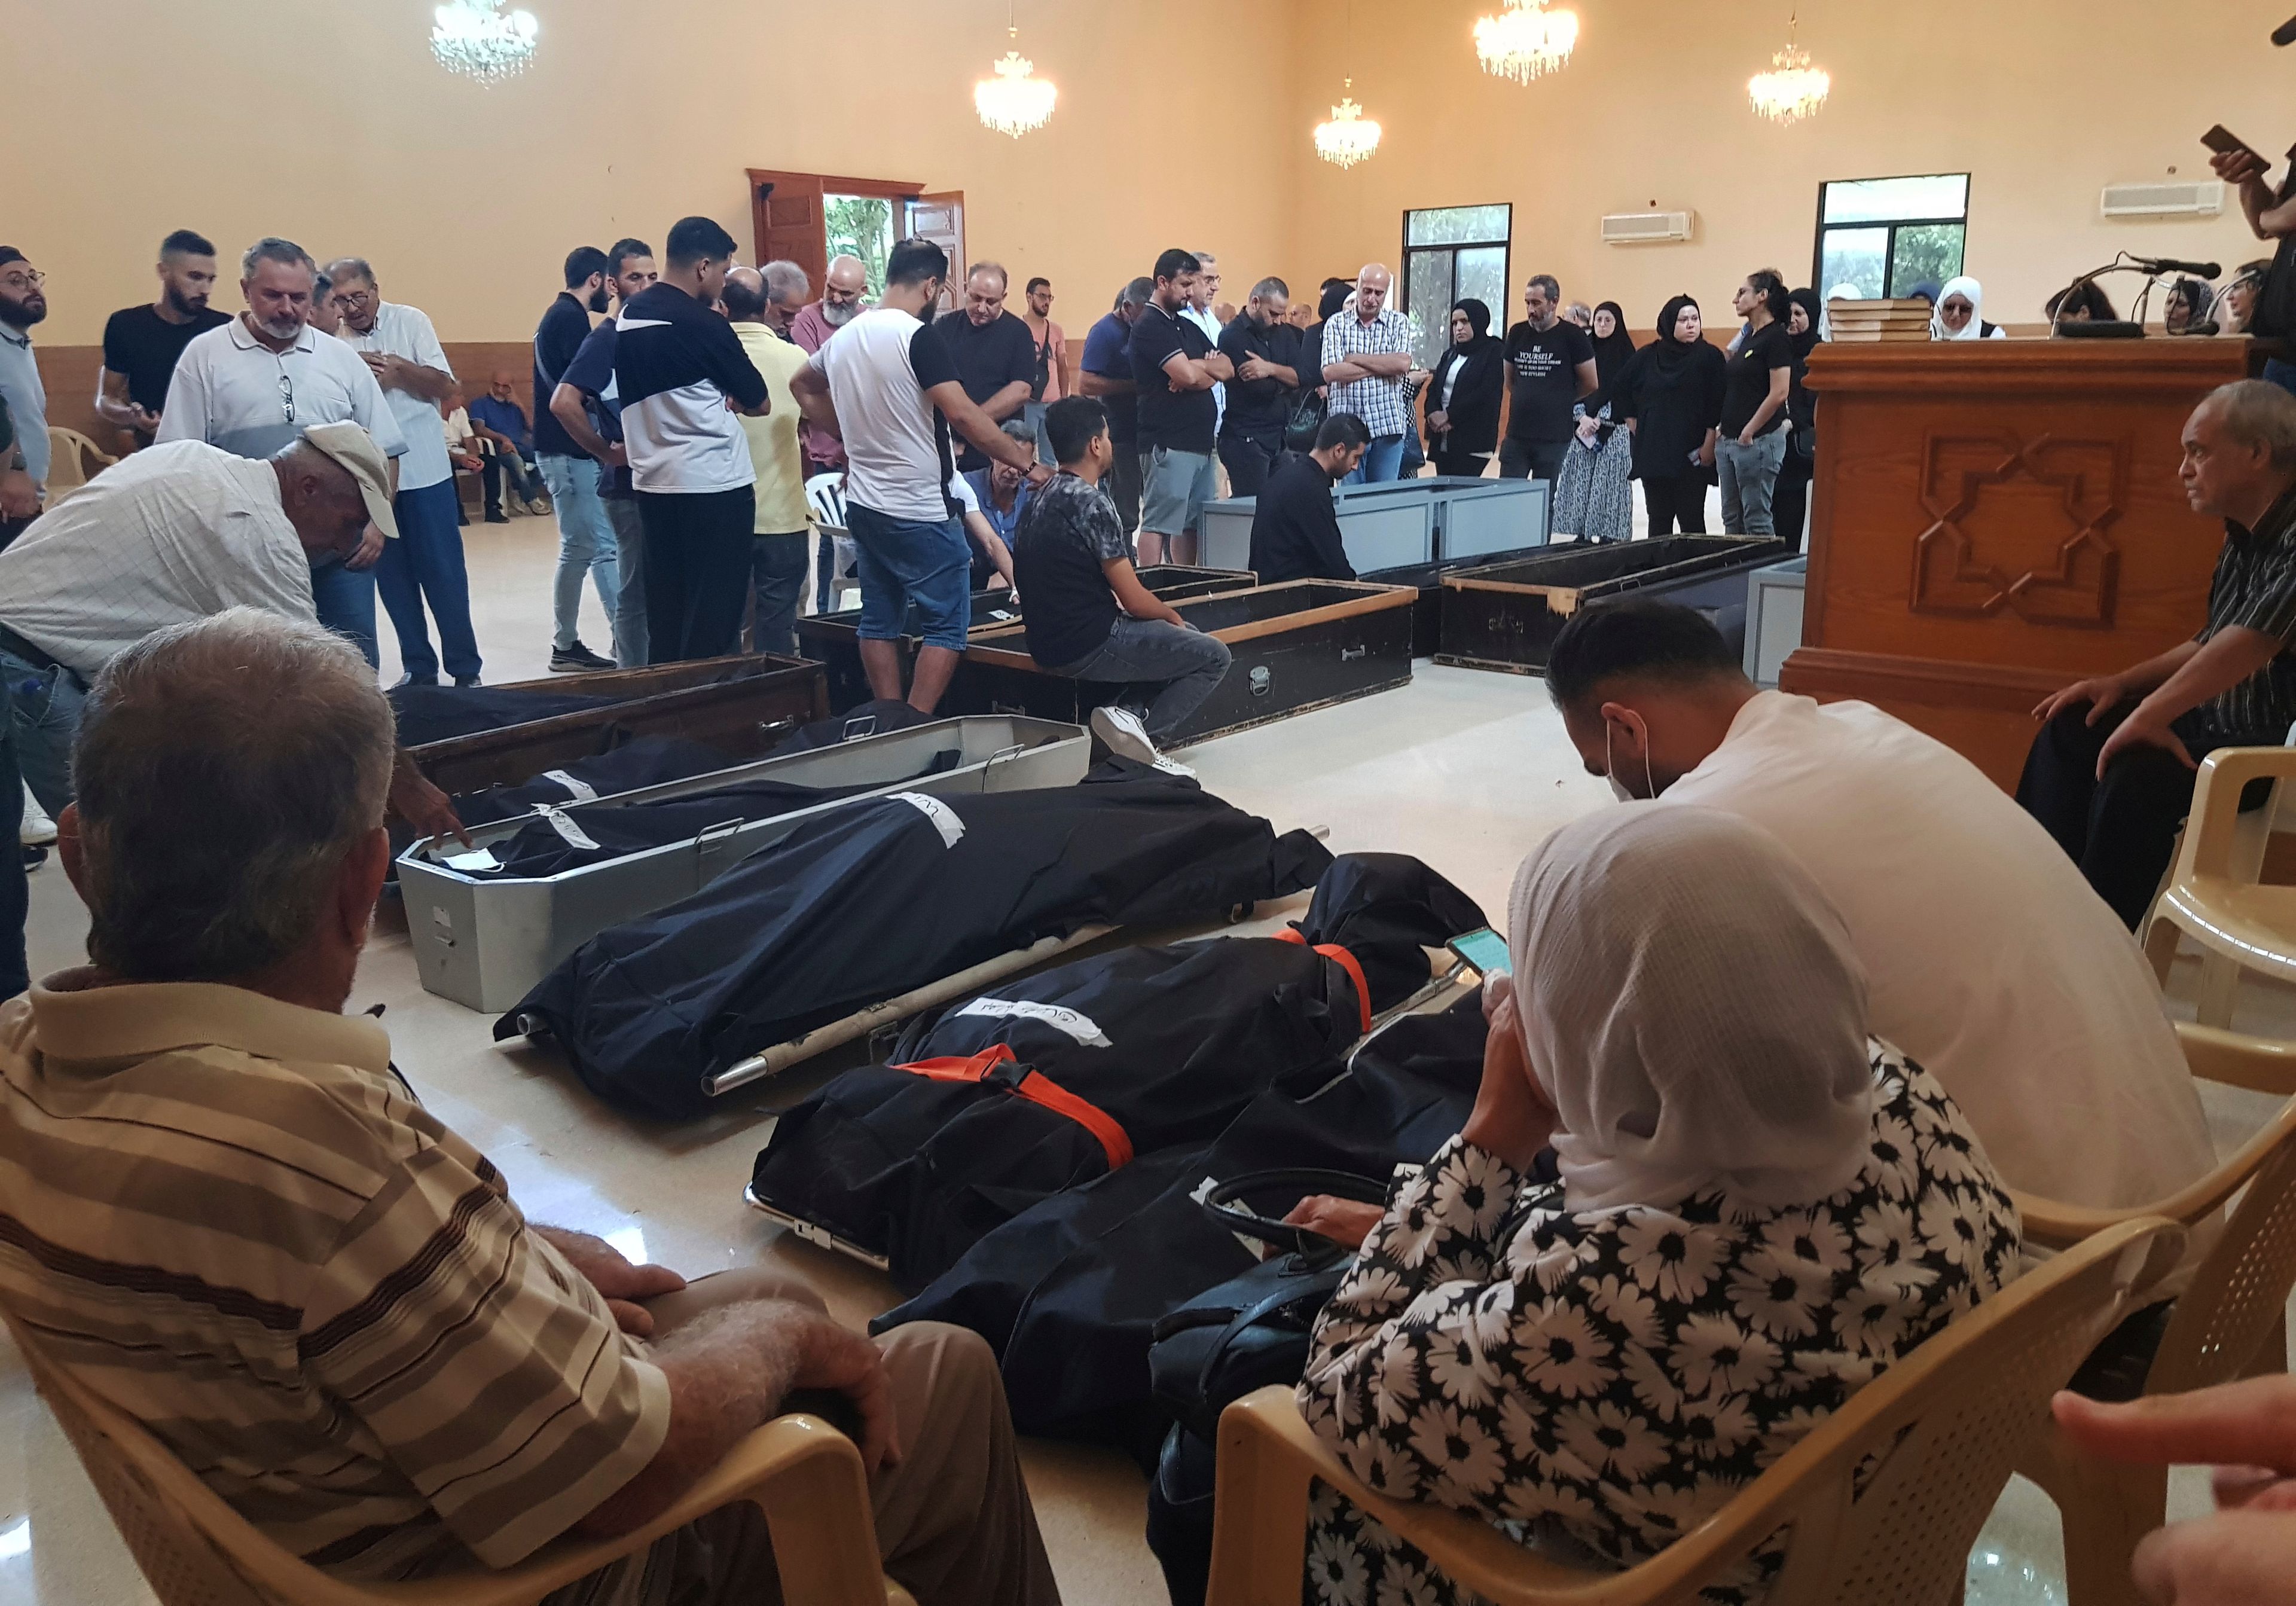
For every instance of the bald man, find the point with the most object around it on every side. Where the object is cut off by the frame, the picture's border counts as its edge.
(1366, 357)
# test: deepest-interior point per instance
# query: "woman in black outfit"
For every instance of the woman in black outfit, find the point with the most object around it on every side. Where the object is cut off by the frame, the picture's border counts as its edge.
(1672, 394)
(1790, 501)
(1462, 399)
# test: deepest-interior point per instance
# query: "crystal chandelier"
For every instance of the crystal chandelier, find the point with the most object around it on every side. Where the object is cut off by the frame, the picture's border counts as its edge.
(1792, 89)
(1349, 136)
(1014, 101)
(476, 39)
(1526, 40)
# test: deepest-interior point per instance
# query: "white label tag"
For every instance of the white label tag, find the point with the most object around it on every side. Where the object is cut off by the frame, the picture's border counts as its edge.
(576, 837)
(482, 859)
(944, 817)
(1079, 1027)
(580, 791)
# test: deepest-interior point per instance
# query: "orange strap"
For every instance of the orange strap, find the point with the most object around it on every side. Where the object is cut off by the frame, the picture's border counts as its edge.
(987, 1066)
(1344, 960)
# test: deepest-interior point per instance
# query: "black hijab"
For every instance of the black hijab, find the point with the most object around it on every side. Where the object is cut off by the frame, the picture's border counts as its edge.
(1806, 340)
(1614, 350)
(1334, 298)
(1479, 319)
(1669, 354)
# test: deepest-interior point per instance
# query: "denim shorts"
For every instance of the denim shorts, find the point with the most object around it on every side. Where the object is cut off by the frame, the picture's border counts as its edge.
(1174, 486)
(910, 560)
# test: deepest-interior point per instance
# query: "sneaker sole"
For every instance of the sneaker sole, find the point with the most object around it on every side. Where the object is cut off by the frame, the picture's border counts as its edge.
(1121, 742)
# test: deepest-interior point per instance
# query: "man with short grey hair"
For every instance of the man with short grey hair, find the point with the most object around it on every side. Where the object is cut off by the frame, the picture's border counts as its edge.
(1550, 360)
(995, 355)
(786, 288)
(1367, 358)
(2112, 773)
(842, 292)
(229, 844)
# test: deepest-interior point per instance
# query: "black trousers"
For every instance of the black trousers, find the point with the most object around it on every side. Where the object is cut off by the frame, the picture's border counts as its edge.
(1680, 499)
(1790, 498)
(1248, 463)
(1464, 465)
(2121, 831)
(1531, 459)
(1122, 484)
(697, 571)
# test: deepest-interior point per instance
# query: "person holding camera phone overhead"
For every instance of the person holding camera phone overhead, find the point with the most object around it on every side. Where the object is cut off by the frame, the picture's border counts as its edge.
(2271, 212)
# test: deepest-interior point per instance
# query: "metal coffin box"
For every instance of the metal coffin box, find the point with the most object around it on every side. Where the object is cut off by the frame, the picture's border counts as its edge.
(1506, 616)
(484, 940)
(1427, 579)
(1298, 646)
(834, 640)
(1400, 522)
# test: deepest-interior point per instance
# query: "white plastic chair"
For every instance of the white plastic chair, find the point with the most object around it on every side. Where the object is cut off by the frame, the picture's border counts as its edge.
(826, 495)
(2227, 853)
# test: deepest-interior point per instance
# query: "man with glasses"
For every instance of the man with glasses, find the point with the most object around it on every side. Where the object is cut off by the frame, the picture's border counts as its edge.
(257, 383)
(22, 306)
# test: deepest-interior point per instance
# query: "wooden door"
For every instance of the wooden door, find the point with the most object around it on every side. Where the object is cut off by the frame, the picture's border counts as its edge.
(785, 214)
(939, 217)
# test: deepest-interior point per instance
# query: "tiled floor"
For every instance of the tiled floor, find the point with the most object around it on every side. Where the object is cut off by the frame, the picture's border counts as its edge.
(1466, 770)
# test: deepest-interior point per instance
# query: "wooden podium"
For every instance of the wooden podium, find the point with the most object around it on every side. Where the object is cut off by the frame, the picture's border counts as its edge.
(1991, 519)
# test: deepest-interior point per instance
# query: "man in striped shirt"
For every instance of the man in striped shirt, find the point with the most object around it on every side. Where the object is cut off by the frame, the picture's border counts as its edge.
(2112, 773)
(221, 1208)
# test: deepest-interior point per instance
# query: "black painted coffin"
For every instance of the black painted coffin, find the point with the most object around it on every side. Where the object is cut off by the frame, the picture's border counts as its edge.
(1427, 579)
(1506, 616)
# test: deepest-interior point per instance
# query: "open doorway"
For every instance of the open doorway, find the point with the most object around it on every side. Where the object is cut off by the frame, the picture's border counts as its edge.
(809, 217)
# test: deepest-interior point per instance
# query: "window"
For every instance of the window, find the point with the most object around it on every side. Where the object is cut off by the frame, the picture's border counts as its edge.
(1451, 254)
(1885, 235)
(861, 225)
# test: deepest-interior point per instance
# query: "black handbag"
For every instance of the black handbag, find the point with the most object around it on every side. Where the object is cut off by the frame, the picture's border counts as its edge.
(1305, 419)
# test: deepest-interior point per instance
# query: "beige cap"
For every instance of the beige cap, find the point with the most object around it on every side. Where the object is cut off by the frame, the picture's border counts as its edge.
(355, 449)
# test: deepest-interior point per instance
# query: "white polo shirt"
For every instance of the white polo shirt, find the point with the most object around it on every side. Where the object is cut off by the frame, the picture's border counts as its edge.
(406, 331)
(232, 391)
(179, 531)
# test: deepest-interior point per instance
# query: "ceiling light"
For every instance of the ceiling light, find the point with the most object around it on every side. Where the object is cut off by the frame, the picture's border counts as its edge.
(1013, 101)
(1792, 89)
(475, 39)
(1526, 41)
(1349, 136)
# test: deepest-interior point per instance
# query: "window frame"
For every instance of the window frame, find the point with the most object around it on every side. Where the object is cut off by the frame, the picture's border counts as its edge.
(1890, 249)
(1401, 297)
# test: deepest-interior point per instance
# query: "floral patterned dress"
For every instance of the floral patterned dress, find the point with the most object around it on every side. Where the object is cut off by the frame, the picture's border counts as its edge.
(1616, 1376)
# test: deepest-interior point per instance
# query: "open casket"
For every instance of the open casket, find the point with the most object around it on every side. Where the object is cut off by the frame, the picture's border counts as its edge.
(1506, 616)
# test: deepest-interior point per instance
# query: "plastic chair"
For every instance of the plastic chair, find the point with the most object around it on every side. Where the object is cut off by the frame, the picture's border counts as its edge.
(194, 1550)
(826, 495)
(2214, 894)
(1942, 1428)
(69, 453)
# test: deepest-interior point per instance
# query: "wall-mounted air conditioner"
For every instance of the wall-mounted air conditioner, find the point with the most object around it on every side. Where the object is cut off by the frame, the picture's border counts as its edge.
(1647, 228)
(2203, 199)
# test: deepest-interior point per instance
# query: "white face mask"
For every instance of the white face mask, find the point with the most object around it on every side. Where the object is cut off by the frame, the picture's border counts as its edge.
(1619, 788)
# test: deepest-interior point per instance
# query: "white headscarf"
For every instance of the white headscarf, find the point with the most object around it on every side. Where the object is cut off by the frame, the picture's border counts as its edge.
(1693, 1007)
(1975, 328)
(1844, 291)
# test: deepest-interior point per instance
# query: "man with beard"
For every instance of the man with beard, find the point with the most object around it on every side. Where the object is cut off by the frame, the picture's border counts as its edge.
(1269, 365)
(256, 383)
(995, 358)
(23, 481)
(142, 344)
(586, 539)
(842, 291)
(587, 406)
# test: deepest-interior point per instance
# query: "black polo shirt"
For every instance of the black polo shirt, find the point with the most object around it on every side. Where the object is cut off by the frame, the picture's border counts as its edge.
(556, 343)
(2255, 589)
(987, 358)
(1257, 408)
(1178, 420)
(1295, 526)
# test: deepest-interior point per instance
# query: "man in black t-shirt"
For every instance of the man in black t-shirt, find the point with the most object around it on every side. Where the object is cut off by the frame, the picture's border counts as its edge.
(1086, 615)
(1550, 364)
(1268, 356)
(1295, 529)
(143, 344)
(995, 357)
(1175, 369)
(1104, 372)
(1753, 433)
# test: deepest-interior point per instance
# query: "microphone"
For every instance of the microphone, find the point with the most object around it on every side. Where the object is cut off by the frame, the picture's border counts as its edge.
(2285, 34)
(2170, 265)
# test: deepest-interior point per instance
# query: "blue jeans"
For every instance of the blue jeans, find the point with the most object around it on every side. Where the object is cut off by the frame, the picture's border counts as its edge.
(586, 545)
(15, 896)
(1166, 669)
(344, 600)
(43, 717)
(1383, 460)
(425, 565)
(2280, 372)
(631, 636)
(778, 579)
(906, 561)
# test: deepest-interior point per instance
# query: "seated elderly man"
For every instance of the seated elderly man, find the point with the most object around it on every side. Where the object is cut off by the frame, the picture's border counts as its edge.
(227, 1213)
(175, 532)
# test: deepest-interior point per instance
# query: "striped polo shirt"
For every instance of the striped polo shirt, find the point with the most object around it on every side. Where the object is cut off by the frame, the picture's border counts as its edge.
(2255, 588)
(225, 1214)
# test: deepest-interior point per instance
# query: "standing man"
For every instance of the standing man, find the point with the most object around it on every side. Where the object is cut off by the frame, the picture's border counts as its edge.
(1104, 374)
(1366, 357)
(325, 317)
(142, 343)
(425, 564)
(1052, 345)
(1552, 362)
(877, 384)
(2111, 774)
(1295, 529)
(587, 544)
(784, 522)
(842, 290)
(1174, 368)
(682, 376)
(1265, 350)
(996, 359)
(23, 304)
(257, 383)
(498, 418)
(1199, 312)
(587, 406)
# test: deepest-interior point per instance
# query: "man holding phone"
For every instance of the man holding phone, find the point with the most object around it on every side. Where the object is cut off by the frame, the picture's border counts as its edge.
(2272, 213)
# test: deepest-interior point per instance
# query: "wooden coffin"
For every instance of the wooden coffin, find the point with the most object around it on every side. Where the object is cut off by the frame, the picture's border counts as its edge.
(1427, 579)
(1304, 646)
(1506, 616)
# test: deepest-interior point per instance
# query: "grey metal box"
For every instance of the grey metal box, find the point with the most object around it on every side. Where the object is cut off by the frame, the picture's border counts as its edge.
(1773, 613)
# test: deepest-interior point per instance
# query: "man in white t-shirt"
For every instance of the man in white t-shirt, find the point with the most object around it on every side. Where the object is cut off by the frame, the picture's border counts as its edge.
(1989, 958)
(425, 564)
(877, 383)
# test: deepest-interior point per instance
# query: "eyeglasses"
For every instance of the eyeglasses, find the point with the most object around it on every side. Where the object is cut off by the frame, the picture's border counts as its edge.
(27, 280)
(286, 397)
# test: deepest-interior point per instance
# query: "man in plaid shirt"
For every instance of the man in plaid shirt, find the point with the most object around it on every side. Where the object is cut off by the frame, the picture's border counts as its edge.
(1366, 357)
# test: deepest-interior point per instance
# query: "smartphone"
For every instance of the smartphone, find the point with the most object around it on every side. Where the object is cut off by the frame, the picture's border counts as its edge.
(2224, 141)
(1484, 952)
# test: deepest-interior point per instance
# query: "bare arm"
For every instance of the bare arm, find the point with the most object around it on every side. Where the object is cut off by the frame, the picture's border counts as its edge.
(566, 405)
(2267, 215)
(1008, 401)
(810, 386)
(1134, 598)
(1345, 374)
(1089, 383)
(1588, 383)
(1781, 381)
(1197, 373)
(977, 427)
(396, 373)
(113, 405)
(1382, 364)
(2212, 668)
(2105, 692)
(1000, 556)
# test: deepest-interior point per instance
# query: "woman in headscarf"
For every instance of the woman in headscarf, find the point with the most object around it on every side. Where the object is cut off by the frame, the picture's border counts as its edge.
(2187, 305)
(1671, 398)
(1461, 400)
(1960, 313)
(1759, 1209)
(1790, 499)
(1843, 292)
(1594, 493)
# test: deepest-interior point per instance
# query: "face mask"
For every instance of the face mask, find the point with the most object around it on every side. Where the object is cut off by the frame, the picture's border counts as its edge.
(1619, 788)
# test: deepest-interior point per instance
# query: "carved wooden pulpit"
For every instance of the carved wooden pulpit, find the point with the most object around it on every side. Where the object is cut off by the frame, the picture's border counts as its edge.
(1991, 519)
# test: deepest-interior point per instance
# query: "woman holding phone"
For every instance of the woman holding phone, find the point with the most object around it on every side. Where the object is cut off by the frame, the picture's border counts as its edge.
(2272, 213)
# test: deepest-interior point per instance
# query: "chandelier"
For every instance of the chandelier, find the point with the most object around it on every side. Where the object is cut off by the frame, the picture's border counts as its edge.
(1526, 40)
(1349, 136)
(1792, 89)
(476, 39)
(1014, 101)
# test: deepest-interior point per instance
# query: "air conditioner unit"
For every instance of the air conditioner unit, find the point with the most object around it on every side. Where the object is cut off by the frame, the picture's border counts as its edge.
(2205, 199)
(1647, 228)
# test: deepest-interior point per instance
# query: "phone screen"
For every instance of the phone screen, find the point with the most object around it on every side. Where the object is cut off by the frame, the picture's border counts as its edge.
(1485, 950)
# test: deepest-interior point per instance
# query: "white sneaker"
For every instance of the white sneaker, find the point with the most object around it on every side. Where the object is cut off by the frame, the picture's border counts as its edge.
(1120, 732)
(37, 830)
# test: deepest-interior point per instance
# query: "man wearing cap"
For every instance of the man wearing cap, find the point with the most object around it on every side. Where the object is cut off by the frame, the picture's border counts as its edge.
(180, 531)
